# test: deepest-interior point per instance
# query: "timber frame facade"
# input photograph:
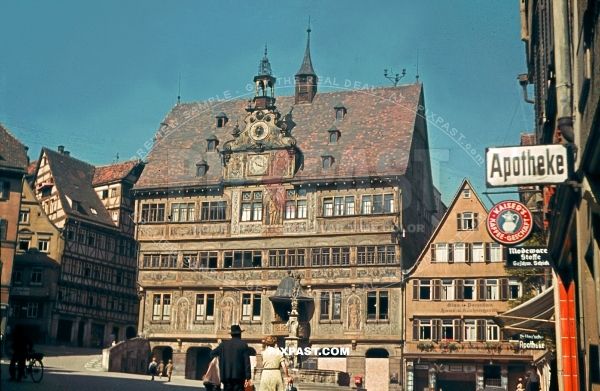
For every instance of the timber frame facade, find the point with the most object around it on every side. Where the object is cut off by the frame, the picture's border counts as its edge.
(338, 192)
(96, 299)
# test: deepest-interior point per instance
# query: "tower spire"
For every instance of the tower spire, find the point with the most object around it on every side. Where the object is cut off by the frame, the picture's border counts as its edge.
(307, 68)
(306, 78)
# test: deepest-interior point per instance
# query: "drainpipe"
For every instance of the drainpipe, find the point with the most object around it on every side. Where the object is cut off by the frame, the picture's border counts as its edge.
(562, 67)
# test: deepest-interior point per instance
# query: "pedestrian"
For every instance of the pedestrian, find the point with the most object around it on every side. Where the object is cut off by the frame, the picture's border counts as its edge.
(534, 380)
(273, 359)
(520, 385)
(161, 369)
(234, 361)
(153, 367)
(169, 369)
(211, 380)
(21, 345)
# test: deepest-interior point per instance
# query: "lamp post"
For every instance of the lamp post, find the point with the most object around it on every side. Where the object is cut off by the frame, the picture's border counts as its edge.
(394, 79)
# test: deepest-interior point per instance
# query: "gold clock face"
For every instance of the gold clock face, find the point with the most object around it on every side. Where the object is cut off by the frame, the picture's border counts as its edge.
(259, 131)
(258, 164)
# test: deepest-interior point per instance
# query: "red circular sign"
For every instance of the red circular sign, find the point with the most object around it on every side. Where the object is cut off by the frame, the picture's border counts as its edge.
(509, 222)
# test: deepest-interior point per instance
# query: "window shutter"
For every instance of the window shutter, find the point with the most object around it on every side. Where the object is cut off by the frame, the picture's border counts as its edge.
(503, 336)
(459, 222)
(415, 289)
(437, 289)
(415, 329)
(504, 289)
(475, 221)
(504, 253)
(488, 257)
(481, 330)
(481, 286)
(468, 252)
(435, 325)
(432, 252)
(460, 290)
(450, 253)
(457, 329)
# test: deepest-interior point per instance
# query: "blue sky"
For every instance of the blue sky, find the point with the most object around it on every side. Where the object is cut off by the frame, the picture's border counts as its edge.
(98, 77)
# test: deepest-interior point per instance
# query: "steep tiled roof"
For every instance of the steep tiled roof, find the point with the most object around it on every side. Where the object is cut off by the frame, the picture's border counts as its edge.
(13, 153)
(73, 179)
(527, 139)
(113, 172)
(376, 135)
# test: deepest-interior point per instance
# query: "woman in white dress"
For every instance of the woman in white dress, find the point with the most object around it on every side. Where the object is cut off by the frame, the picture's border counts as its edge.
(273, 359)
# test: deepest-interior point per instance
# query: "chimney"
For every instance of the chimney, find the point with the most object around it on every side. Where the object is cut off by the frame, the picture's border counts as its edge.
(67, 153)
(61, 149)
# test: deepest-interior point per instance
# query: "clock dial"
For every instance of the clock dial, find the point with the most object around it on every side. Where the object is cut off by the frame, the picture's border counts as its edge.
(258, 164)
(259, 131)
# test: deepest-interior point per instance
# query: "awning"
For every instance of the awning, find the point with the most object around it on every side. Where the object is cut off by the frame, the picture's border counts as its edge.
(533, 315)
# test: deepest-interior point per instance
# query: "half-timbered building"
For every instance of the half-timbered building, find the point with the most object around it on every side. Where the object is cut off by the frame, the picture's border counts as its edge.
(96, 299)
(238, 194)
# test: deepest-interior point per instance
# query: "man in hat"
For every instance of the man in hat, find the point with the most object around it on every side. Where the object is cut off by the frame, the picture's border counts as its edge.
(234, 361)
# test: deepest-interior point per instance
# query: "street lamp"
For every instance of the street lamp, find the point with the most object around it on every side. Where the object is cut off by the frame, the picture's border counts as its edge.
(394, 79)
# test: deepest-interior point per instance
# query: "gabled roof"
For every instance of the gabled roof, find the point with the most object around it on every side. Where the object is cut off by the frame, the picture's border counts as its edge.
(73, 181)
(465, 183)
(378, 134)
(13, 153)
(113, 172)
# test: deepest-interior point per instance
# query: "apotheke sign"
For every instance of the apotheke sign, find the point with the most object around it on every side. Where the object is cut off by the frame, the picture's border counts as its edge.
(527, 165)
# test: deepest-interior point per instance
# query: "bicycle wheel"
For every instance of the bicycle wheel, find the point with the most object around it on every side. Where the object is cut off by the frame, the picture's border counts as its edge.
(37, 370)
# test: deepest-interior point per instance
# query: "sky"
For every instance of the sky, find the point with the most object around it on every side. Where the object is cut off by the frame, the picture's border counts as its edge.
(99, 76)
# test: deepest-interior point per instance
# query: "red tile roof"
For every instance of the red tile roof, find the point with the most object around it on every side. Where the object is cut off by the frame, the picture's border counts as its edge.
(13, 153)
(113, 172)
(32, 167)
(376, 136)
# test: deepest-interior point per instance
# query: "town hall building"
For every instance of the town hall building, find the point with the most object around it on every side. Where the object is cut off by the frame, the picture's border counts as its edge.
(239, 197)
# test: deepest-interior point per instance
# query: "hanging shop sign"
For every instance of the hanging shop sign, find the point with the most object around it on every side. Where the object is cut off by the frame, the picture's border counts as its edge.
(532, 341)
(528, 165)
(509, 223)
(527, 257)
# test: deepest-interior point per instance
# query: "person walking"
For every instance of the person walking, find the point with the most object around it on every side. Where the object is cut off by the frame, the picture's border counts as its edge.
(153, 368)
(169, 369)
(161, 369)
(273, 359)
(234, 361)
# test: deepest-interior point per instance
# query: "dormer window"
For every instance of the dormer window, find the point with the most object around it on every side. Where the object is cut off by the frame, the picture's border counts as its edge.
(340, 111)
(221, 120)
(201, 168)
(327, 161)
(334, 134)
(212, 143)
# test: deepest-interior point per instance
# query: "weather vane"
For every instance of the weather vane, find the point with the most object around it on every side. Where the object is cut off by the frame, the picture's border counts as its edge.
(394, 79)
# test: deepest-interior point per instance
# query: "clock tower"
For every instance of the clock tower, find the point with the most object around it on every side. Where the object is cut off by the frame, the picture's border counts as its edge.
(263, 150)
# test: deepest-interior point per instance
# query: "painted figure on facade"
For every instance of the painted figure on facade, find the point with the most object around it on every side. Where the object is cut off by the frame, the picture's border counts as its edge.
(354, 314)
(226, 315)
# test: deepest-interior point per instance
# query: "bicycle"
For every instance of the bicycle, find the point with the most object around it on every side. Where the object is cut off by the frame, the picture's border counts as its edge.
(34, 366)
